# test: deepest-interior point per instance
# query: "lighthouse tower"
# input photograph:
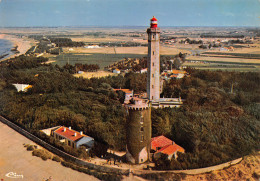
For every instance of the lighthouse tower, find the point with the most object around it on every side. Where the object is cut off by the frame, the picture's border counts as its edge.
(139, 130)
(153, 63)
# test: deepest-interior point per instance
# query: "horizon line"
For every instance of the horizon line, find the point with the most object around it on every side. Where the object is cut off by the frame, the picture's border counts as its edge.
(126, 26)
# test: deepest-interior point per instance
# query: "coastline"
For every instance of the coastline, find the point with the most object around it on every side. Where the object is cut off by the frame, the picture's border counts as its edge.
(22, 44)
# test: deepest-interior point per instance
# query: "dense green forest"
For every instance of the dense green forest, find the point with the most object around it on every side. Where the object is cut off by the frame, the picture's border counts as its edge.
(58, 98)
(216, 124)
(219, 120)
(66, 42)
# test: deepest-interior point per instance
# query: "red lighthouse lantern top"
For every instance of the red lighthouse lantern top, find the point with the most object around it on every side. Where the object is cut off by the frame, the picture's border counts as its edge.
(153, 23)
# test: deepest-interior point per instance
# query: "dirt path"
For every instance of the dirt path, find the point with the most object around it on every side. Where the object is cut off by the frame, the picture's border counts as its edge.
(14, 158)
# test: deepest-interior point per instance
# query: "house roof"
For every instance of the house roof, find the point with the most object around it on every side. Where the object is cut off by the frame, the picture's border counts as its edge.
(127, 91)
(174, 76)
(160, 141)
(69, 133)
(179, 72)
(28, 87)
(171, 149)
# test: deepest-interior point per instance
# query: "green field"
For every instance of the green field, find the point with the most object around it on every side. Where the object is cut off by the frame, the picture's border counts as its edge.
(243, 62)
(233, 55)
(102, 60)
(225, 66)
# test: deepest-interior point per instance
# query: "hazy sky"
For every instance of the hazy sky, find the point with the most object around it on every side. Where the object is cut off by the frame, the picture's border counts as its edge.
(129, 12)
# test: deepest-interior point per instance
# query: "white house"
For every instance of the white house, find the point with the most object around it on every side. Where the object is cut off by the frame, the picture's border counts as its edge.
(117, 71)
(143, 70)
(72, 138)
(22, 87)
(92, 46)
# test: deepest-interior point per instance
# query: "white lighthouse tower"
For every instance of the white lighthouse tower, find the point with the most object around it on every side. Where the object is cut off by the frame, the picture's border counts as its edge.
(153, 63)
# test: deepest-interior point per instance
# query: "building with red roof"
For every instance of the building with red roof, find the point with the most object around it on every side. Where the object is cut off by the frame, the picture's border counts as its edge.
(171, 150)
(160, 142)
(162, 145)
(72, 138)
(128, 94)
(117, 71)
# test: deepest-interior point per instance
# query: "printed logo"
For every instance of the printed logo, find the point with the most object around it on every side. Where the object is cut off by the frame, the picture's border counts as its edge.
(13, 175)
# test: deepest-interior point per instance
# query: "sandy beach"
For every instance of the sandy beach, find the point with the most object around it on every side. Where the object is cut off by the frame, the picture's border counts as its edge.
(23, 44)
(14, 158)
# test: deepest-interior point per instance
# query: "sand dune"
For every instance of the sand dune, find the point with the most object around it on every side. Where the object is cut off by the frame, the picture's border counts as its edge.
(14, 158)
(23, 44)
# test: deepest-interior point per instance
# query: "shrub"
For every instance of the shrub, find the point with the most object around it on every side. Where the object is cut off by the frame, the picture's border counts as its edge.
(44, 157)
(42, 153)
(56, 159)
(31, 147)
(67, 164)
(81, 169)
(37, 153)
(95, 173)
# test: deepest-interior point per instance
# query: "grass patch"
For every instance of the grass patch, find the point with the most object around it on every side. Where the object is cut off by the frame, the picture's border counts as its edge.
(95, 173)
(234, 55)
(31, 147)
(101, 59)
(44, 154)
(56, 159)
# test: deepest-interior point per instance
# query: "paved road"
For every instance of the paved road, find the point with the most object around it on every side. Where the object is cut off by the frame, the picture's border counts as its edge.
(14, 158)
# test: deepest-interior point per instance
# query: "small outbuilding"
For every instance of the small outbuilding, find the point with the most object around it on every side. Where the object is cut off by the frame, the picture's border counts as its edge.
(72, 138)
(22, 87)
(128, 94)
(171, 151)
(117, 71)
(162, 145)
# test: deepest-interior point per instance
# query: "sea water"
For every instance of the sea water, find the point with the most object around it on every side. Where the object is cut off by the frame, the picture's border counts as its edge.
(5, 48)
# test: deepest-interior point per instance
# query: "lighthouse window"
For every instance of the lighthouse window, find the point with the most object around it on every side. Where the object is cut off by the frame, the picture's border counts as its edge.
(153, 64)
(153, 52)
(142, 138)
(142, 120)
(153, 75)
(142, 129)
(152, 86)
(153, 36)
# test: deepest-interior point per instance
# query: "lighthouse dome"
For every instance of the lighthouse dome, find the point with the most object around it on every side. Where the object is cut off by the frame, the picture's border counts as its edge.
(153, 22)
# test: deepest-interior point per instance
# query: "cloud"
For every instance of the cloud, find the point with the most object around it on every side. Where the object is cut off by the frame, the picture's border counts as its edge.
(228, 14)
